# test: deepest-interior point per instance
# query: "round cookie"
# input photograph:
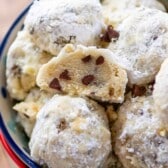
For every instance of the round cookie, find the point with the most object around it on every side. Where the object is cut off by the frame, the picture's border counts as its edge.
(76, 134)
(28, 109)
(160, 92)
(142, 44)
(24, 59)
(140, 139)
(84, 71)
(115, 12)
(53, 24)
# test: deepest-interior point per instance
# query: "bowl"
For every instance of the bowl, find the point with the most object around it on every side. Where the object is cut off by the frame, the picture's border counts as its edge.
(14, 139)
(11, 131)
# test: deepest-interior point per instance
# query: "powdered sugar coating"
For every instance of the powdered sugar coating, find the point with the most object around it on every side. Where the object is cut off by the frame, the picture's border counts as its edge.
(75, 135)
(142, 45)
(115, 12)
(56, 23)
(24, 59)
(160, 92)
(114, 5)
(141, 139)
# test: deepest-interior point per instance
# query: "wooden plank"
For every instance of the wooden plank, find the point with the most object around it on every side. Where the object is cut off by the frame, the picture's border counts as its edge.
(10, 9)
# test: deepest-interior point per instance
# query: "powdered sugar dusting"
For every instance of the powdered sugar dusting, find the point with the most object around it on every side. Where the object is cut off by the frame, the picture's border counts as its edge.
(141, 138)
(143, 43)
(75, 134)
(55, 24)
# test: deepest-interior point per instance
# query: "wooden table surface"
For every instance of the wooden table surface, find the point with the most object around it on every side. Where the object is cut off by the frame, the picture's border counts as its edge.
(5, 160)
(10, 9)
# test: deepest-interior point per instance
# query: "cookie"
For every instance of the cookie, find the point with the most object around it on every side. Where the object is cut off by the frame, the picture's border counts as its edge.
(142, 44)
(139, 136)
(84, 71)
(28, 109)
(68, 138)
(115, 12)
(24, 59)
(160, 92)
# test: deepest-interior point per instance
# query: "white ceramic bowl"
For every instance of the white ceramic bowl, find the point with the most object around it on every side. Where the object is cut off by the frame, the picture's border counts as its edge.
(15, 138)
(11, 131)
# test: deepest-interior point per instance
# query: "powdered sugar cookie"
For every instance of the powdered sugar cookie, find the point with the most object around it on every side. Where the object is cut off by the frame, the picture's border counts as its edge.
(53, 24)
(75, 135)
(142, 44)
(140, 139)
(24, 59)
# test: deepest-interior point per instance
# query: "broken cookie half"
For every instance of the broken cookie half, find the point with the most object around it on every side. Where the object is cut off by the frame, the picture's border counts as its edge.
(84, 71)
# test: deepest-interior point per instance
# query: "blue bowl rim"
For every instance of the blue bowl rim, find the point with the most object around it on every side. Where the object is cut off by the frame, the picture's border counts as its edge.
(28, 161)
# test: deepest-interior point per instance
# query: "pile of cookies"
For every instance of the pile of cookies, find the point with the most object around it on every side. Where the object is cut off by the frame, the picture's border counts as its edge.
(91, 79)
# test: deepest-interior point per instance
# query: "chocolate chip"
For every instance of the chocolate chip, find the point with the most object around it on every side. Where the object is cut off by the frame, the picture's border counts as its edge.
(26, 115)
(65, 75)
(62, 125)
(86, 59)
(105, 37)
(54, 84)
(109, 34)
(138, 90)
(155, 38)
(141, 112)
(112, 33)
(100, 60)
(87, 79)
